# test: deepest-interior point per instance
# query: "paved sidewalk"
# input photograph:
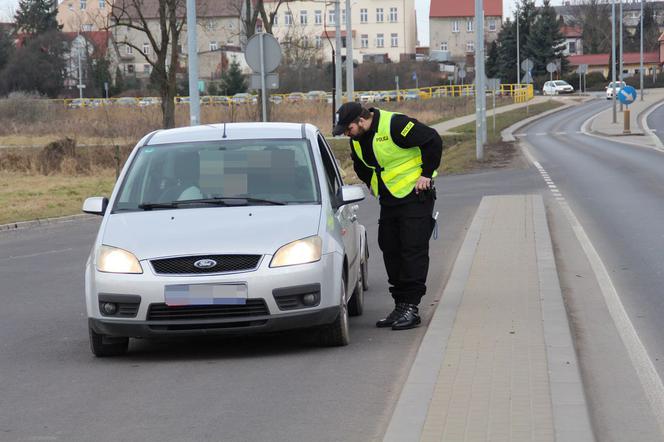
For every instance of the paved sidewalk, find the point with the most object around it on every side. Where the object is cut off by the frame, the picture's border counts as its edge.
(444, 127)
(602, 124)
(497, 362)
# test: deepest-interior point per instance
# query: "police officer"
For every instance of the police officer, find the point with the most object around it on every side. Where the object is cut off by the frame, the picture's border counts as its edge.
(397, 157)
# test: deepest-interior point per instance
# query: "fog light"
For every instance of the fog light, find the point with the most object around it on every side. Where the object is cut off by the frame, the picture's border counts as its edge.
(109, 308)
(309, 299)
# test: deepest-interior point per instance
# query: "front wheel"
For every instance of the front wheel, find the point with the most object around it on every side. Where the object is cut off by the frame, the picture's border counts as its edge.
(102, 345)
(337, 334)
(356, 303)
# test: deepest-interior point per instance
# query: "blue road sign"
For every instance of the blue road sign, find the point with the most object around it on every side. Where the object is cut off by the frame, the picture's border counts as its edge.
(627, 95)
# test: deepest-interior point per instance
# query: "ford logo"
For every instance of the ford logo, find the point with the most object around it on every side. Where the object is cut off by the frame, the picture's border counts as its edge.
(205, 263)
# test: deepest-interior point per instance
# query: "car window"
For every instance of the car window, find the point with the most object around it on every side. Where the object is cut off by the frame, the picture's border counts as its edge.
(332, 175)
(560, 83)
(275, 170)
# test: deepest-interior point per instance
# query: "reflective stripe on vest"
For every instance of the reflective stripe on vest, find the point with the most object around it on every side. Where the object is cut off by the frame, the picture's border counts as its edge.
(401, 168)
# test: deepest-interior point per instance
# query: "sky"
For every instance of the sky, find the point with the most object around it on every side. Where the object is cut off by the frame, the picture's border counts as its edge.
(7, 8)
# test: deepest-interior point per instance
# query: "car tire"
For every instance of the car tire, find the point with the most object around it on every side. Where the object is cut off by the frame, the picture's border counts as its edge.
(337, 334)
(100, 348)
(364, 266)
(356, 303)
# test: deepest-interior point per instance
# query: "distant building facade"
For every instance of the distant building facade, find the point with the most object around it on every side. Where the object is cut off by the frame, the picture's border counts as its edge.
(84, 15)
(452, 26)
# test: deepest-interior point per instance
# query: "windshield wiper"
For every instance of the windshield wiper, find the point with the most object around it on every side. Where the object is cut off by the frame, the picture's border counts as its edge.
(150, 206)
(248, 199)
(219, 201)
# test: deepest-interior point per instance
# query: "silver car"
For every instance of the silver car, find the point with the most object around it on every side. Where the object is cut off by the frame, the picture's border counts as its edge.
(227, 228)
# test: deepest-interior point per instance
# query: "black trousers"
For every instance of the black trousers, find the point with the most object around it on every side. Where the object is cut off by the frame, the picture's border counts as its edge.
(403, 236)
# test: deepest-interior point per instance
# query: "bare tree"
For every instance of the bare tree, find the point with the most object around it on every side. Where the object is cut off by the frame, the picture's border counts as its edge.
(161, 22)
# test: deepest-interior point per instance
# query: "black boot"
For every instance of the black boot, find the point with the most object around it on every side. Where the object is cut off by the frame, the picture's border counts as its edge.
(409, 318)
(393, 316)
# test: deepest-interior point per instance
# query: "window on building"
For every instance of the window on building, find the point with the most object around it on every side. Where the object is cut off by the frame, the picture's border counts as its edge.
(129, 50)
(343, 41)
(364, 15)
(364, 40)
(84, 4)
(130, 68)
(393, 15)
(305, 41)
(259, 27)
(443, 46)
(470, 46)
(180, 49)
(571, 47)
(394, 40)
(318, 19)
(86, 28)
(330, 17)
(380, 40)
(379, 15)
(303, 17)
(455, 26)
(288, 18)
(102, 4)
(343, 16)
(71, 6)
(214, 46)
(146, 48)
(469, 25)
(210, 25)
(492, 25)
(275, 20)
(319, 42)
(147, 68)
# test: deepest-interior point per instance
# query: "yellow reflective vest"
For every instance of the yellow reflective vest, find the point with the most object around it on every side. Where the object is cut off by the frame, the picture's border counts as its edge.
(401, 167)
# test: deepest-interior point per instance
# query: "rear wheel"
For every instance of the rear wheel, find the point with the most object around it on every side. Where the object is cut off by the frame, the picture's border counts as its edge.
(337, 334)
(356, 303)
(103, 346)
(364, 267)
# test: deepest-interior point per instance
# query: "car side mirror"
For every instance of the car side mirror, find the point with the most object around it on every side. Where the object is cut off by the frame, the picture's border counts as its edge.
(95, 205)
(350, 194)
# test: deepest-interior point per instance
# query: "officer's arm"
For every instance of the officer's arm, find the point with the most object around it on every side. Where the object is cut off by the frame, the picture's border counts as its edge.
(408, 132)
(363, 172)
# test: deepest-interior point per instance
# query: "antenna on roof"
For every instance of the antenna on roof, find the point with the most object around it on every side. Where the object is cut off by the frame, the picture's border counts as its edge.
(224, 135)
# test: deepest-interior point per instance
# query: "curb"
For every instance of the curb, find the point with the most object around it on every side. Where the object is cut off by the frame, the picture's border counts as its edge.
(617, 138)
(22, 225)
(507, 134)
(642, 118)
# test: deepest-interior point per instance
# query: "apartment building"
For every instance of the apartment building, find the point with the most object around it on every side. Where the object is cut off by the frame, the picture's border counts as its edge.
(378, 27)
(452, 26)
(218, 32)
(83, 15)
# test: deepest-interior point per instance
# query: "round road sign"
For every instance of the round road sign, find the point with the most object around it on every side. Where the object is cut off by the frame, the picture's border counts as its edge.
(271, 52)
(527, 65)
(462, 73)
(627, 95)
(551, 67)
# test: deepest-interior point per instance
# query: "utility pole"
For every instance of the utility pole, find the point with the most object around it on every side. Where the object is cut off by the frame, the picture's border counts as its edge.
(480, 96)
(518, 56)
(350, 80)
(641, 54)
(621, 50)
(81, 86)
(192, 65)
(613, 57)
(337, 43)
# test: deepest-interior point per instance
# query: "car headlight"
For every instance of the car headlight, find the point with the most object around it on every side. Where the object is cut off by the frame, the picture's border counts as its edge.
(115, 260)
(301, 251)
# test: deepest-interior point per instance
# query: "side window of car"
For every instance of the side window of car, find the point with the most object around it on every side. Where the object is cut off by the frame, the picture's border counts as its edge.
(331, 173)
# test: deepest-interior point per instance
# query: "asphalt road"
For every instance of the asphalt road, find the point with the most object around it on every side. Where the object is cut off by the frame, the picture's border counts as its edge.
(656, 121)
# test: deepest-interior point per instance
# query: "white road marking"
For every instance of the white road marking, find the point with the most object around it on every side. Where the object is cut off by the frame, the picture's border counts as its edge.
(645, 369)
(539, 134)
(32, 255)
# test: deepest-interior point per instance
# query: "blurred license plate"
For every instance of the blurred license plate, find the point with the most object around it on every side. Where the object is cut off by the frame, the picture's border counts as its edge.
(205, 294)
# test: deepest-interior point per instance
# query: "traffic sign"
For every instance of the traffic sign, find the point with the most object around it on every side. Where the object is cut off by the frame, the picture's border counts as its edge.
(271, 52)
(462, 73)
(627, 95)
(527, 65)
(582, 69)
(551, 67)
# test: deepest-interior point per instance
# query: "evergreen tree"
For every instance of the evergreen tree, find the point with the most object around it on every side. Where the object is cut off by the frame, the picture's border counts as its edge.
(527, 16)
(36, 17)
(545, 42)
(6, 47)
(492, 61)
(650, 32)
(233, 80)
(506, 42)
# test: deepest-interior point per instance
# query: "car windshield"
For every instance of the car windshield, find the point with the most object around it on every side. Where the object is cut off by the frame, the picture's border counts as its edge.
(219, 173)
(561, 83)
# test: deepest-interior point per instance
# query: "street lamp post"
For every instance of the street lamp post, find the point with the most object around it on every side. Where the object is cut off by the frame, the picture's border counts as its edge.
(480, 96)
(641, 54)
(192, 65)
(337, 43)
(518, 57)
(350, 81)
(613, 57)
(621, 49)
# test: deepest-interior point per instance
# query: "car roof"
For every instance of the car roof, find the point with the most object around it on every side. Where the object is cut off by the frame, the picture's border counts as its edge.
(233, 131)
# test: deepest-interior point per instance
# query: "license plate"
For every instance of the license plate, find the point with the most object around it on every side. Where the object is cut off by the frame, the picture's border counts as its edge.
(205, 294)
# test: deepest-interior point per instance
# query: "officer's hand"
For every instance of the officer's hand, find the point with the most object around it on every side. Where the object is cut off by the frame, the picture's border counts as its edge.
(423, 183)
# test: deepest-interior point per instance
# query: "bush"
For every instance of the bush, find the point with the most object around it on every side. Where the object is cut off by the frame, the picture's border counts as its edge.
(25, 107)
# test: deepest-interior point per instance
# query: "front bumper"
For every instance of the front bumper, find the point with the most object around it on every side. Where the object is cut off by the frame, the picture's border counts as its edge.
(238, 325)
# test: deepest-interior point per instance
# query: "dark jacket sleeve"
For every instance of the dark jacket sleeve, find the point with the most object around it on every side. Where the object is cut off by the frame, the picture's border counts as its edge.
(363, 172)
(408, 132)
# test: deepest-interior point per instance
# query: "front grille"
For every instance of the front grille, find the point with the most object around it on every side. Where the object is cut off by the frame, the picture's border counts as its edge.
(225, 263)
(163, 312)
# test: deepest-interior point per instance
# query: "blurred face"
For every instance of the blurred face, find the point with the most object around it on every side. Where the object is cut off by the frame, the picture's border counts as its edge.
(356, 129)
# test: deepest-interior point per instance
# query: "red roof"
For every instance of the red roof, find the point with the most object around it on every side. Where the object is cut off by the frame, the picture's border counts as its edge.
(571, 31)
(464, 8)
(603, 59)
(331, 34)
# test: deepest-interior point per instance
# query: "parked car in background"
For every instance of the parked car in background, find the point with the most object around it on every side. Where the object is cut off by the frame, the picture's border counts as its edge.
(609, 88)
(243, 98)
(296, 97)
(557, 87)
(149, 101)
(320, 96)
(77, 103)
(126, 101)
(410, 95)
(220, 100)
(369, 97)
(276, 99)
(388, 96)
(225, 229)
